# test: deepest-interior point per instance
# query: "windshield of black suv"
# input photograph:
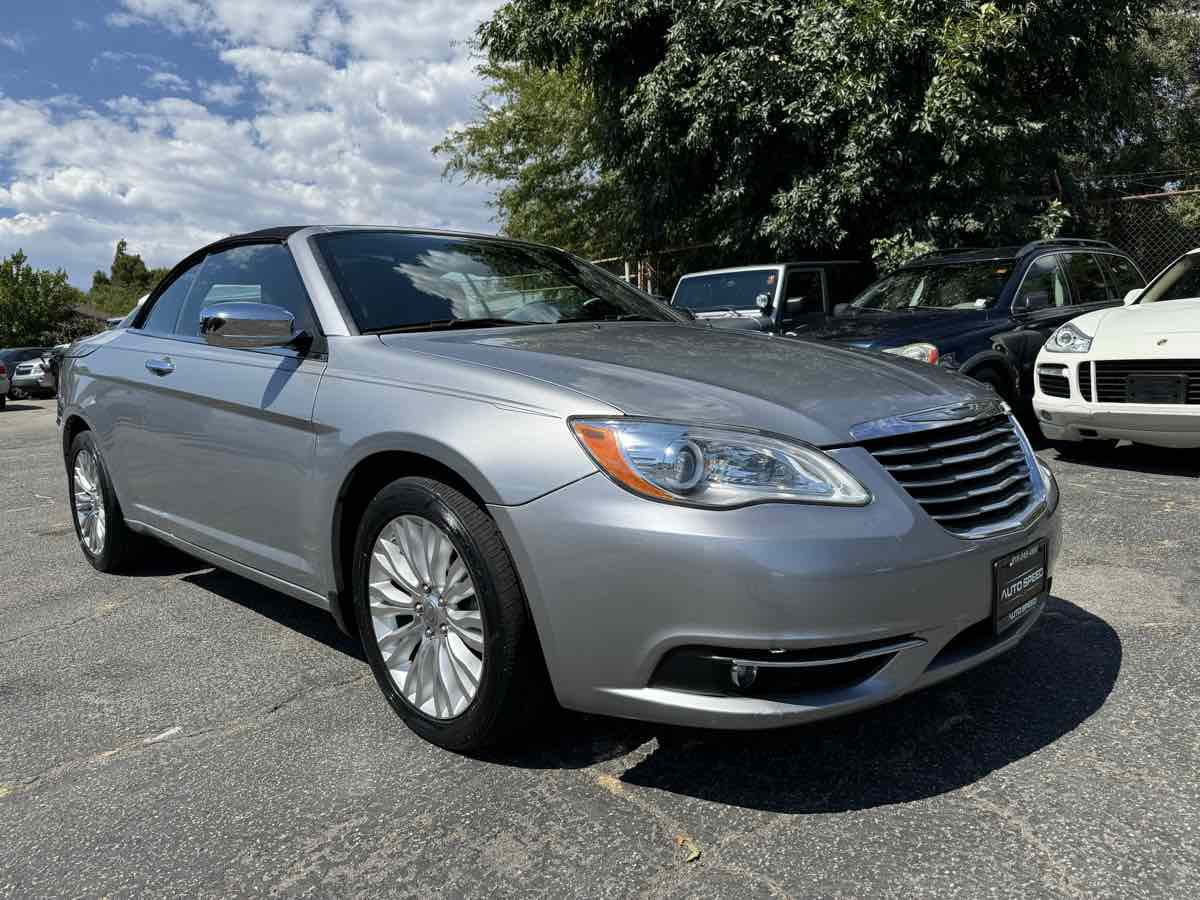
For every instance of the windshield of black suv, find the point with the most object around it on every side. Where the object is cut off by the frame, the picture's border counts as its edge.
(1180, 281)
(973, 285)
(725, 290)
(397, 281)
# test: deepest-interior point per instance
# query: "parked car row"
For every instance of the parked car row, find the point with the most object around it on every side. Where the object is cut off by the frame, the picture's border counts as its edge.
(28, 371)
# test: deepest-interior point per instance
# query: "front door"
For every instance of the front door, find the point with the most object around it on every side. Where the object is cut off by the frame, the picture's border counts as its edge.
(1044, 276)
(227, 440)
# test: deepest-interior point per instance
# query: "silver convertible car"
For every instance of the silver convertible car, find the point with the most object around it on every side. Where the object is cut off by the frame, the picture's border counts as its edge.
(517, 478)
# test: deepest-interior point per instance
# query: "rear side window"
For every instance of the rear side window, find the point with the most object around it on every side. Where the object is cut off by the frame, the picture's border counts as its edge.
(1046, 277)
(257, 273)
(1123, 274)
(1088, 278)
(165, 311)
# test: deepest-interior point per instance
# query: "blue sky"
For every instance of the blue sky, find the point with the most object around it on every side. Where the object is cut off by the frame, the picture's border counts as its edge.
(174, 122)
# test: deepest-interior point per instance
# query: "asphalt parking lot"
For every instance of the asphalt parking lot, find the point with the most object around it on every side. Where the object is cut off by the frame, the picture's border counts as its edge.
(180, 731)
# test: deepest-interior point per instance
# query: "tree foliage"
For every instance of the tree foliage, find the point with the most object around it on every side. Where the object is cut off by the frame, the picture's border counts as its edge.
(35, 305)
(780, 126)
(536, 136)
(127, 280)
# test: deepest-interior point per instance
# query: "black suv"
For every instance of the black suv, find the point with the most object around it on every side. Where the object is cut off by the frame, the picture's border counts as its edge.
(984, 312)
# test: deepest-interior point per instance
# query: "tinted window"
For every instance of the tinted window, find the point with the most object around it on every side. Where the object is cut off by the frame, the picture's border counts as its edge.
(1045, 276)
(802, 294)
(1088, 278)
(1180, 281)
(726, 290)
(960, 286)
(393, 281)
(258, 273)
(165, 311)
(1123, 274)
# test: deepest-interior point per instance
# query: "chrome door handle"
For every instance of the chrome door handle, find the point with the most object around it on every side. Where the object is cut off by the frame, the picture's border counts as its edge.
(160, 366)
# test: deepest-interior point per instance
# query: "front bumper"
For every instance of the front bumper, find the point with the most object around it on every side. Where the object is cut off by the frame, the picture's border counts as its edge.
(38, 382)
(1164, 425)
(615, 583)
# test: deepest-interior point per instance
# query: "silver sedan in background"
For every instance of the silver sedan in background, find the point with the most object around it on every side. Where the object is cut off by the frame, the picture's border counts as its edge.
(515, 477)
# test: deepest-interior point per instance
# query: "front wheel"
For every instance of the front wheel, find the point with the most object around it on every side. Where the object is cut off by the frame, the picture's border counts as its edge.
(442, 617)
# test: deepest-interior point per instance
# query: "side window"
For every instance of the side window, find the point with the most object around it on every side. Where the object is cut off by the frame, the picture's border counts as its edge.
(1123, 275)
(258, 273)
(1088, 278)
(165, 311)
(1046, 276)
(802, 294)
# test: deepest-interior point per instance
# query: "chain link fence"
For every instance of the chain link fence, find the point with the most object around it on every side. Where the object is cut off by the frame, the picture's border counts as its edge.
(1153, 228)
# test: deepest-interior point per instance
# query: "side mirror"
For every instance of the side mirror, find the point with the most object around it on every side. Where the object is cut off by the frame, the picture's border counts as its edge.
(1032, 302)
(247, 326)
(1133, 296)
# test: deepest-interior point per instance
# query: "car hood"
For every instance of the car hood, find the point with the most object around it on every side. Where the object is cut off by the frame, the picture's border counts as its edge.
(895, 329)
(692, 373)
(1137, 330)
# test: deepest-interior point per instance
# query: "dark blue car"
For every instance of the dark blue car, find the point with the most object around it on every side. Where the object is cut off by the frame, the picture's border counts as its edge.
(984, 312)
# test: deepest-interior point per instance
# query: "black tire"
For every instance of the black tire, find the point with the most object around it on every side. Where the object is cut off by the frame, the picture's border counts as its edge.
(513, 682)
(995, 381)
(118, 540)
(3, 401)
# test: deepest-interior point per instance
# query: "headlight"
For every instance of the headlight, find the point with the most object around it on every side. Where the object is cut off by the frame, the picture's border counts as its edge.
(1069, 339)
(713, 467)
(926, 353)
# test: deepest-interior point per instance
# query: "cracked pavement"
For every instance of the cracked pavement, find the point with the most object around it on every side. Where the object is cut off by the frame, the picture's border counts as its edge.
(181, 731)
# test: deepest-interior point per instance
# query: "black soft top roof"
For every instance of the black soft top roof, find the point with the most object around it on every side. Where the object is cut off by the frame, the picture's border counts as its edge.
(276, 235)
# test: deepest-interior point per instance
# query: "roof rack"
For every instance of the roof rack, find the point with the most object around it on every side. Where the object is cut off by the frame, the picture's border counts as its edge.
(946, 251)
(1064, 242)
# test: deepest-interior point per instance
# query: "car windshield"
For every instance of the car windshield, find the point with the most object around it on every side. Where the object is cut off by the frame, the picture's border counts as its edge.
(725, 290)
(973, 285)
(1180, 281)
(398, 281)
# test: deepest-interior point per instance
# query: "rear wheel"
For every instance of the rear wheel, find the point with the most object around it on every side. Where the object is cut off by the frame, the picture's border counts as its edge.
(442, 618)
(105, 540)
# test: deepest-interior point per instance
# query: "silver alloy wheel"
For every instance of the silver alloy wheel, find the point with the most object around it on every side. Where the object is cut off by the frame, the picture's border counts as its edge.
(89, 502)
(426, 616)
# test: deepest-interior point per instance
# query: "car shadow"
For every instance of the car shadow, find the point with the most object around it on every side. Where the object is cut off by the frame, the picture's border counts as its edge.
(923, 745)
(18, 406)
(1137, 458)
(315, 624)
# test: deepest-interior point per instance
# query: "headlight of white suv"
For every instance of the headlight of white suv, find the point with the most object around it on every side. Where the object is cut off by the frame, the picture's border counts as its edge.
(926, 353)
(1069, 339)
(713, 467)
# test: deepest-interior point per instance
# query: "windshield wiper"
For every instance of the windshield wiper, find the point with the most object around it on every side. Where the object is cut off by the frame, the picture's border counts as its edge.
(623, 317)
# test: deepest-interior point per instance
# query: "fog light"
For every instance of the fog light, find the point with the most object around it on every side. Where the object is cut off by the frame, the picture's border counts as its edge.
(742, 676)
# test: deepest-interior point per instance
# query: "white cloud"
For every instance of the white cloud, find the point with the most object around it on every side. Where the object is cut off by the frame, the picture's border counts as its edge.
(223, 93)
(13, 41)
(168, 81)
(348, 97)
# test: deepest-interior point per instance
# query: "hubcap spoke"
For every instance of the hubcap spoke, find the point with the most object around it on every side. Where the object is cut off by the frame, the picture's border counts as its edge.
(427, 624)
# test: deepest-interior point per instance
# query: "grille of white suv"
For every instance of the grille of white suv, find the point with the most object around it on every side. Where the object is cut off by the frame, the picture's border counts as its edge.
(1148, 381)
(973, 479)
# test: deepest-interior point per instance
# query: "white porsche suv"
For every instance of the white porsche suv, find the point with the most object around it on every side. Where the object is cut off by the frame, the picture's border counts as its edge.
(1130, 373)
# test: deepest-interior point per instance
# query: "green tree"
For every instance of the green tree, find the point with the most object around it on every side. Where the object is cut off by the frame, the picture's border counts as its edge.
(127, 280)
(782, 127)
(535, 136)
(35, 304)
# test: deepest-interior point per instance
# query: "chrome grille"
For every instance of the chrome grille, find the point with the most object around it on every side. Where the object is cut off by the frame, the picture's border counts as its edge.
(1085, 381)
(972, 478)
(1053, 381)
(1113, 379)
